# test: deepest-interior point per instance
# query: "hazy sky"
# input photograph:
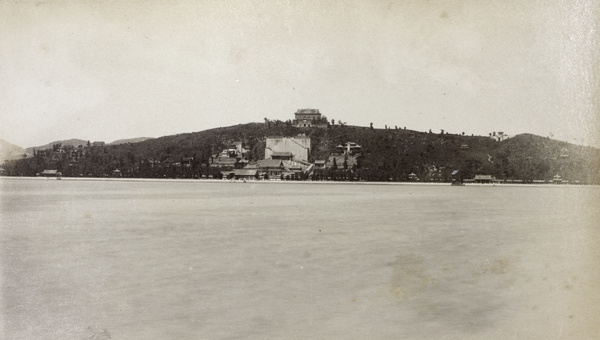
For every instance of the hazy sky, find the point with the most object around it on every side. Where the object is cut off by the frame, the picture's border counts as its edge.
(105, 70)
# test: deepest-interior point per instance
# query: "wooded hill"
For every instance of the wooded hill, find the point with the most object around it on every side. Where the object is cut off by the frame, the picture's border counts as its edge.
(389, 154)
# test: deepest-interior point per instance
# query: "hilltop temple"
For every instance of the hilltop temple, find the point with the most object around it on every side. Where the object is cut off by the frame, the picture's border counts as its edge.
(309, 118)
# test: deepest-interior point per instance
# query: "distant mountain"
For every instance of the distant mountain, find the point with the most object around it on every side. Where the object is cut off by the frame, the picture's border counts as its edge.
(10, 151)
(74, 142)
(130, 140)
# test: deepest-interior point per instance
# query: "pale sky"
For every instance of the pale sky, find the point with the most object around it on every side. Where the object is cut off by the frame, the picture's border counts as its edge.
(106, 70)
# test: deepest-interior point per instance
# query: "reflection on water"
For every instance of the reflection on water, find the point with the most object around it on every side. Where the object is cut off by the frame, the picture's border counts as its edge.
(164, 259)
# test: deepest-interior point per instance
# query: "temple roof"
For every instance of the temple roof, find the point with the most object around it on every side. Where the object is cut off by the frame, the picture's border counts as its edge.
(245, 172)
(281, 154)
(307, 111)
(271, 163)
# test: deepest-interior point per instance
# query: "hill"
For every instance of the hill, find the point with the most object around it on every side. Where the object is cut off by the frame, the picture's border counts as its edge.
(130, 140)
(10, 151)
(71, 142)
(387, 154)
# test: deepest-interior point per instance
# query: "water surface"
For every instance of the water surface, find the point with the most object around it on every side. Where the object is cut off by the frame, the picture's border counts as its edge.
(199, 260)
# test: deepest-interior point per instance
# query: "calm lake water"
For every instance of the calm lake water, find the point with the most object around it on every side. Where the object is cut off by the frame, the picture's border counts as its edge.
(200, 260)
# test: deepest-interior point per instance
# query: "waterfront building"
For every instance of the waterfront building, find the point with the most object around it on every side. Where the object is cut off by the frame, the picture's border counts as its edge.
(483, 179)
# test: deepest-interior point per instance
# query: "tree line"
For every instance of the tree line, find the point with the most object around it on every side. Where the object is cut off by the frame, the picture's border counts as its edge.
(386, 155)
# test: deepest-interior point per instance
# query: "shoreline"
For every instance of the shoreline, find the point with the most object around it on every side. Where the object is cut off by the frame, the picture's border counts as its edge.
(190, 180)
